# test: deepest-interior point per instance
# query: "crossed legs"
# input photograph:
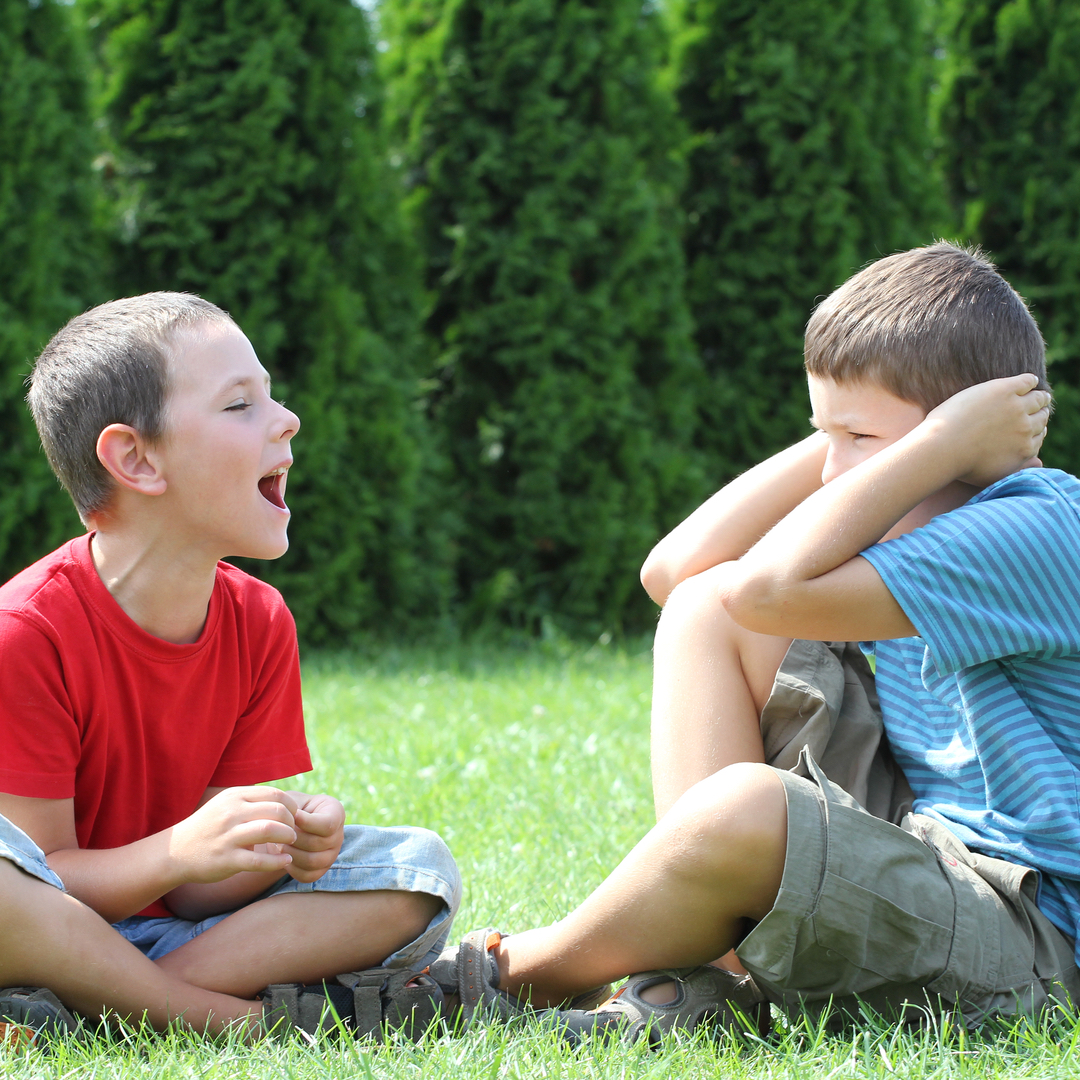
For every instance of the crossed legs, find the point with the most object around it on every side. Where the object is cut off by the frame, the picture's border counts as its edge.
(51, 939)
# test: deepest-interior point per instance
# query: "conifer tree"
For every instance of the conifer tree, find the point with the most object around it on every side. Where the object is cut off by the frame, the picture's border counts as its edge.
(543, 188)
(808, 157)
(1010, 140)
(46, 250)
(249, 171)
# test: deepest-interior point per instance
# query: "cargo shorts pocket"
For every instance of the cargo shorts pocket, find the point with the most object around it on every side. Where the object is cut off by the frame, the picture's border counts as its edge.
(862, 904)
(884, 906)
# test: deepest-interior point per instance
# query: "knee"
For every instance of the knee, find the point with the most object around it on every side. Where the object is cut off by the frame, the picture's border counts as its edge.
(694, 605)
(429, 855)
(732, 821)
(746, 798)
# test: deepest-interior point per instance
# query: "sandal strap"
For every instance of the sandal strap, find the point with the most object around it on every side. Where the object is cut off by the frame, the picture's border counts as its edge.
(366, 987)
(470, 971)
(473, 970)
(366, 1002)
(412, 1003)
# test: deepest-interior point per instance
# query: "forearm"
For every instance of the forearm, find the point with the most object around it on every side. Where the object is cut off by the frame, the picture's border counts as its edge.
(803, 579)
(724, 527)
(118, 882)
(197, 901)
(852, 512)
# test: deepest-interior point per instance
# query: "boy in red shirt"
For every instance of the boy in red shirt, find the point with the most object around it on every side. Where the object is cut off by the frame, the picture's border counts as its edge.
(146, 686)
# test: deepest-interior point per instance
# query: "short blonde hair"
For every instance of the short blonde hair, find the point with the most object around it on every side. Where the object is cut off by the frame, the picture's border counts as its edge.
(925, 324)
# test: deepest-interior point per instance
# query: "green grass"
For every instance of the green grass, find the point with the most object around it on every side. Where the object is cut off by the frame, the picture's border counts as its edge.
(533, 764)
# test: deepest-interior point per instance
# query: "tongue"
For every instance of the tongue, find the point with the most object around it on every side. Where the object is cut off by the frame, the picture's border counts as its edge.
(270, 489)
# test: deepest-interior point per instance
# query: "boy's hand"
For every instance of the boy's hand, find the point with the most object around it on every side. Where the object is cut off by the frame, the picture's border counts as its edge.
(242, 828)
(994, 428)
(319, 821)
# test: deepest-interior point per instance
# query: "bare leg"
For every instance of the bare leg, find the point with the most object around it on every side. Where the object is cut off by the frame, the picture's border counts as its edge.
(301, 937)
(678, 899)
(711, 679)
(51, 939)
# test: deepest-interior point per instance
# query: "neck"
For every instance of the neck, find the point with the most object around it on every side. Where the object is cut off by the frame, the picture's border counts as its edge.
(948, 498)
(162, 587)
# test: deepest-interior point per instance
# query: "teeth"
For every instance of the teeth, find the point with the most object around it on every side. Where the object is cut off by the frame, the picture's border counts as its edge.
(278, 472)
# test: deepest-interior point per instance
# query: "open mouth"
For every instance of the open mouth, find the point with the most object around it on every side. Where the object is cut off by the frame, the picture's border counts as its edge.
(272, 487)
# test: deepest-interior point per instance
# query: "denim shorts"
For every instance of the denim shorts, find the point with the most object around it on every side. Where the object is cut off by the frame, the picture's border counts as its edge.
(401, 859)
(18, 848)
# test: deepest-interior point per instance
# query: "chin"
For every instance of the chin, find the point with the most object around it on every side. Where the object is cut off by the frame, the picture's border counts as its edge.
(267, 549)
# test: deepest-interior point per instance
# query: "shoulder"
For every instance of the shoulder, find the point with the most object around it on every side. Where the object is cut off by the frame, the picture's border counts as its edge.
(1023, 529)
(1041, 505)
(1046, 487)
(254, 602)
(45, 589)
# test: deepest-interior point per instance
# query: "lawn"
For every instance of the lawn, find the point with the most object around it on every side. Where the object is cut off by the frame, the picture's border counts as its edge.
(533, 764)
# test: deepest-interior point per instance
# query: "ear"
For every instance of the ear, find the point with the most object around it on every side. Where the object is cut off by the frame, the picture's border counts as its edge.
(130, 460)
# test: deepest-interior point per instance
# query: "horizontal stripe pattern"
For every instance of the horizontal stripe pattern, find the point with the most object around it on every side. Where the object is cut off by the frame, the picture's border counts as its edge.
(983, 708)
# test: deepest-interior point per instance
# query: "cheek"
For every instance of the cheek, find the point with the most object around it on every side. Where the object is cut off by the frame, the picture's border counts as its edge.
(840, 460)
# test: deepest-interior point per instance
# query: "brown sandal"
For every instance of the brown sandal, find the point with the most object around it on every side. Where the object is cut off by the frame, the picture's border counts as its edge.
(704, 997)
(29, 1012)
(469, 973)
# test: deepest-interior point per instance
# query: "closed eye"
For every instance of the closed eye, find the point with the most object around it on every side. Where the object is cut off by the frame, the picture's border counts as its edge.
(239, 406)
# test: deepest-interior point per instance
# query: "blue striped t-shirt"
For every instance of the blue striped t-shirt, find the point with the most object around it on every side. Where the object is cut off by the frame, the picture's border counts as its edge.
(983, 708)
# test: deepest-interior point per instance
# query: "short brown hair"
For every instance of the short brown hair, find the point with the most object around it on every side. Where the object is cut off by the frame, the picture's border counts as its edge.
(925, 324)
(107, 366)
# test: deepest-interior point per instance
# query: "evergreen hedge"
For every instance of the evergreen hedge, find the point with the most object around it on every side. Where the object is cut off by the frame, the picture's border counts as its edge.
(543, 186)
(808, 157)
(248, 169)
(1010, 142)
(47, 256)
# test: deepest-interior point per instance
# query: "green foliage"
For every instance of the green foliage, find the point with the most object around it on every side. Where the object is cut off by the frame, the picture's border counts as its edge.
(539, 151)
(1010, 135)
(809, 156)
(46, 250)
(248, 169)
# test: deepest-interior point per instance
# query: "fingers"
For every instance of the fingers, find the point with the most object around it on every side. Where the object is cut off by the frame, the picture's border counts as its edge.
(318, 815)
(324, 825)
(320, 825)
(263, 831)
(1023, 383)
(267, 795)
(1037, 401)
(263, 861)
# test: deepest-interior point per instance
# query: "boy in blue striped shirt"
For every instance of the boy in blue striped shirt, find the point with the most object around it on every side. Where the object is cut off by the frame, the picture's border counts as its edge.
(918, 520)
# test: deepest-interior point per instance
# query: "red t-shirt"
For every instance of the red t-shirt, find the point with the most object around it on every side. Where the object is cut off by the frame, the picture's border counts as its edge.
(134, 728)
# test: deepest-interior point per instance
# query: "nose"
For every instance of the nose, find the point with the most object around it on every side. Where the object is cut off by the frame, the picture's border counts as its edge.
(288, 424)
(835, 465)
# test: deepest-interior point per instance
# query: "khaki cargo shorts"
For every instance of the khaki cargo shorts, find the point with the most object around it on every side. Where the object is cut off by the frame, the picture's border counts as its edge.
(890, 910)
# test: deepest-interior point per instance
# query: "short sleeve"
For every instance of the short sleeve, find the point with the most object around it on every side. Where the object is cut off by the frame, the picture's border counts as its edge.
(39, 736)
(268, 740)
(997, 578)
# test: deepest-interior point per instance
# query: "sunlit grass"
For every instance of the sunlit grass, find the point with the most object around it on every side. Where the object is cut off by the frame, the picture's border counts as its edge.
(534, 766)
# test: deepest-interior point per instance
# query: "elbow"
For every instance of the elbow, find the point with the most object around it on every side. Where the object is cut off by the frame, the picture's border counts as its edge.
(755, 600)
(656, 578)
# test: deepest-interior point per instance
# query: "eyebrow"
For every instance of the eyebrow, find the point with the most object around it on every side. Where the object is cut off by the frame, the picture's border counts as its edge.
(244, 380)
